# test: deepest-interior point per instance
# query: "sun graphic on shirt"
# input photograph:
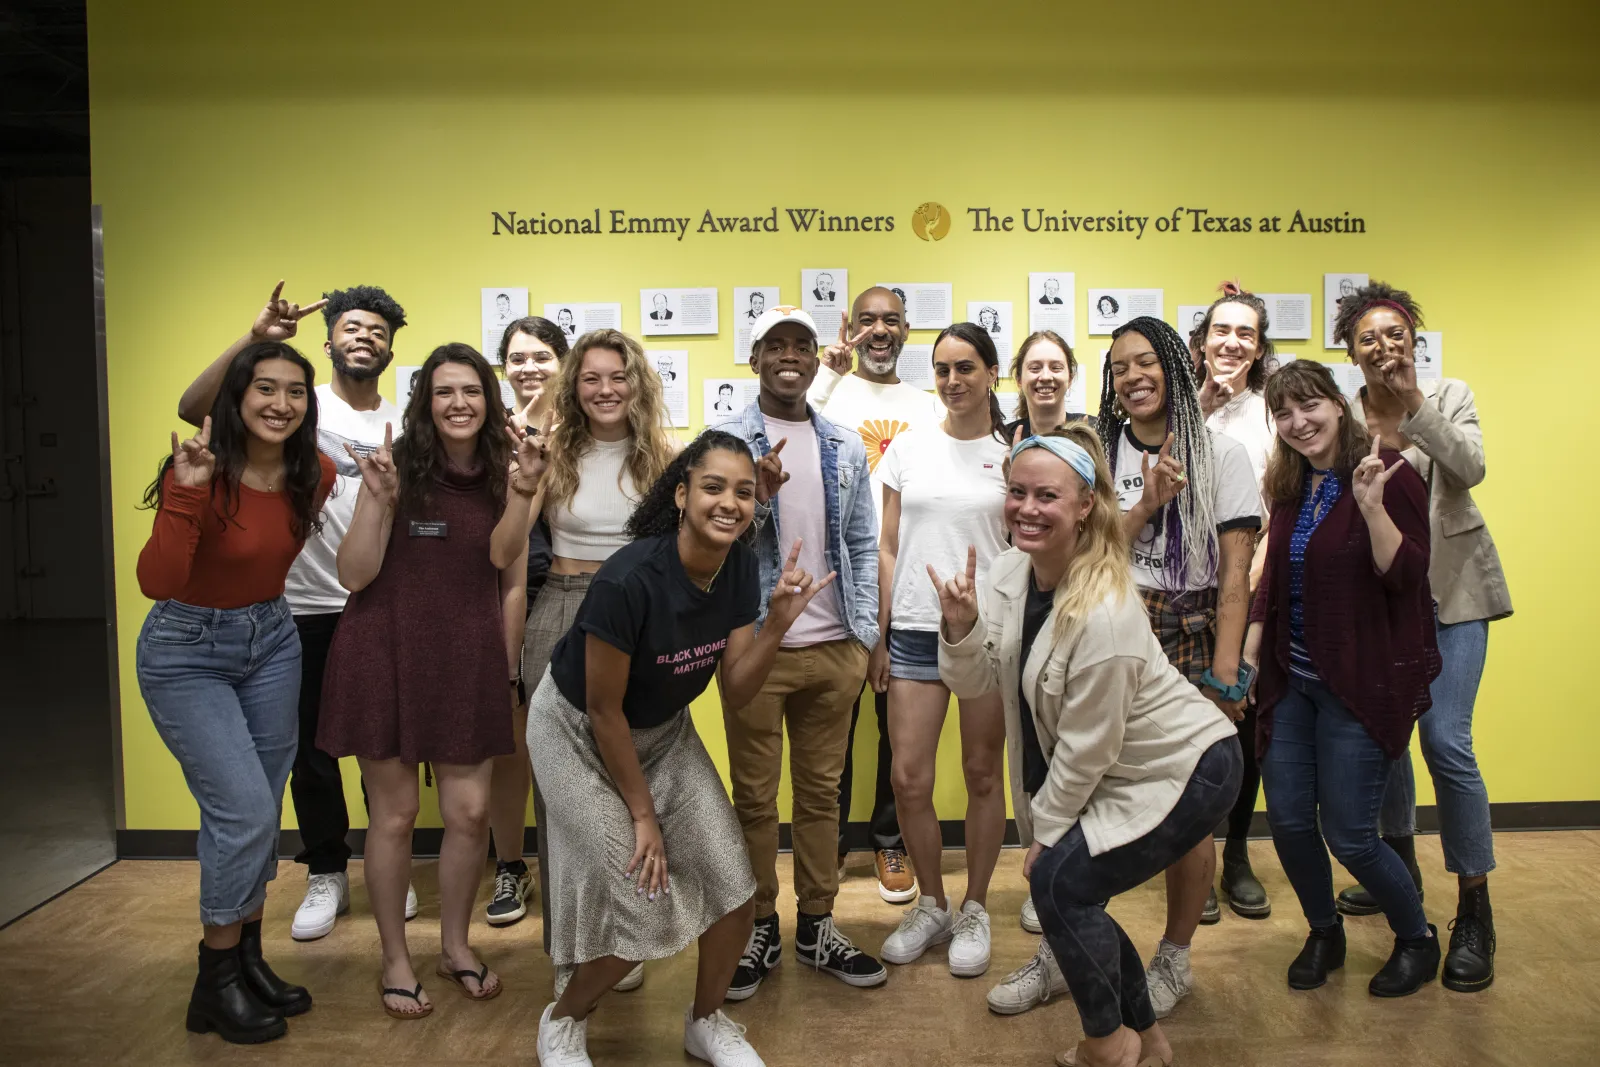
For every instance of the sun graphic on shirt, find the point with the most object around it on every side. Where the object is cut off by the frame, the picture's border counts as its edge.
(876, 435)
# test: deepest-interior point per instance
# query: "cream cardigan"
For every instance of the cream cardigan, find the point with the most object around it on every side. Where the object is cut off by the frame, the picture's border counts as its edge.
(1120, 728)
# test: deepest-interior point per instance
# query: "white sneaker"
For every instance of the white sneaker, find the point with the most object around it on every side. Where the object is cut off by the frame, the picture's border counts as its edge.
(1169, 978)
(411, 902)
(1030, 985)
(563, 1042)
(327, 898)
(969, 941)
(630, 981)
(924, 926)
(718, 1040)
(1030, 917)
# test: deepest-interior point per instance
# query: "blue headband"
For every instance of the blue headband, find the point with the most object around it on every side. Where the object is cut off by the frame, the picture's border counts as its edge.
(1063, 448)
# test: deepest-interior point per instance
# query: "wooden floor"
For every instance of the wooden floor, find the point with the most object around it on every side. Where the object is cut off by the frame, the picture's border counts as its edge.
(101, 975)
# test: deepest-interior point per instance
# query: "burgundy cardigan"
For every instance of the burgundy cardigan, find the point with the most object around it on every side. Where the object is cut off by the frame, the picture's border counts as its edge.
(1371, 635)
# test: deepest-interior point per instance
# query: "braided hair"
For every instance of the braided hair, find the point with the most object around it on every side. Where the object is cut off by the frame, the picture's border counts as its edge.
(657, 511)
(1193, 510)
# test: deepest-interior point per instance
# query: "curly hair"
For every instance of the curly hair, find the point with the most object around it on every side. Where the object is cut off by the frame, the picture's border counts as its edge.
(535, 326)
(363, 298)
(1190, 517)
(657, 510)
(979, 338)
(1039, 337)
(419, 455)
(302, 470)
(1233, 293)
(647, 419)
(1286, 468)
(1353, 307)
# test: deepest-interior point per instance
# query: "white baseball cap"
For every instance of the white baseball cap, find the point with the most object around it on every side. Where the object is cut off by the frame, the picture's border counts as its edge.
(782, 313)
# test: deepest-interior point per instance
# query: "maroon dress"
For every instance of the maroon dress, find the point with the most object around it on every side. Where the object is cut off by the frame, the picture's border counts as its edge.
(417, 670)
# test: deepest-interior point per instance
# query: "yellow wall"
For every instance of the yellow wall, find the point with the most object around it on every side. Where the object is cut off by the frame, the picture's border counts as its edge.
(230, 151)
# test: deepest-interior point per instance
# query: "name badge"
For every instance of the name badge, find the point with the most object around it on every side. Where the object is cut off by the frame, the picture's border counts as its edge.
(429, 529)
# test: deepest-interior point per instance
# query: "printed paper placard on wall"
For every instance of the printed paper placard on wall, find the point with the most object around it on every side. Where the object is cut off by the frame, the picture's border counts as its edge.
(672, 366)
(825, 296)
(1428, 355)
(915, 366)
(927, 303)
(1189, 316)
(1110, 308)
(995, 317)
(1288, 316)
(501, 306)
(1334, 288)
(677, 311)
(1052, 296)
(577, 318)
(726, 397)
(748, 304)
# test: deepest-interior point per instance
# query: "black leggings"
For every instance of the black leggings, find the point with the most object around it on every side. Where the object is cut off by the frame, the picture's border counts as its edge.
(1071, 889)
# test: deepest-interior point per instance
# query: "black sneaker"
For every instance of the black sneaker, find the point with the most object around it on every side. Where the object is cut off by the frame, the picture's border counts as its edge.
(511, 884)
(761, 953)
(819, 945)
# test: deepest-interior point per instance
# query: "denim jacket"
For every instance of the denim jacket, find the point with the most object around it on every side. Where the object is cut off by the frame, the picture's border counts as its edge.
(852, 520)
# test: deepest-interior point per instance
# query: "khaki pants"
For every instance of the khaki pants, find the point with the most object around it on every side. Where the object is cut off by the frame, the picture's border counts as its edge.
(812, 689)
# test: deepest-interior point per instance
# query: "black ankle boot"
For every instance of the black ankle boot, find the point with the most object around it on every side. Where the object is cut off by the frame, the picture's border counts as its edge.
(1239, 885)
(271, 990)
(1323, 952)
(222, 1001)
(1469, 966)
(1357, 901)
(1412, 965)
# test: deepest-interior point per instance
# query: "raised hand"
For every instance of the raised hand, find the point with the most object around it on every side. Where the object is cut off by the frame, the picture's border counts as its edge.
(770, 474)
(192, 461)
(958, 597)
(280, 319)
(1399, 373)
(532, 456)
(794, 591)
(1367, 481)
(378, 473)
(1163, 481)
(839, 357)
(1216, 392)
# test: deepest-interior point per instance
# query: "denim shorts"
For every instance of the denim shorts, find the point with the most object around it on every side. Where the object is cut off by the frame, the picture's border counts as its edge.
(914, 655)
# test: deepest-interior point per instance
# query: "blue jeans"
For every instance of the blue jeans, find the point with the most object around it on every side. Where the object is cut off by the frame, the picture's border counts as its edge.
(1446, 733)
(1324, 776)
(223, 689)
(1070, 889)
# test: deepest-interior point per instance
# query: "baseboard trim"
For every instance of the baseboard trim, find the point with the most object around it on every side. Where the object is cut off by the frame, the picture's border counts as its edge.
(1532, 815)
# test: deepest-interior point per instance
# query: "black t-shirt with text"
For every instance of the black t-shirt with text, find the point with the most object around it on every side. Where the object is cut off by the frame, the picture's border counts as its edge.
(642, 602)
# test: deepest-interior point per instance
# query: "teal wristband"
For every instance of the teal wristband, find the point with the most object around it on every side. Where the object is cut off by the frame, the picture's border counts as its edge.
(1237, 691)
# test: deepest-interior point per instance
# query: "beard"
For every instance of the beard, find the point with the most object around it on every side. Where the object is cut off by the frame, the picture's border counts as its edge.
(361, 374)
(887, 364)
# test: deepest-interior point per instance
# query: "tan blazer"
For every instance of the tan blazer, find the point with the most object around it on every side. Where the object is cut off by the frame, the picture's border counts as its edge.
(1465, 574)
(1120, 728)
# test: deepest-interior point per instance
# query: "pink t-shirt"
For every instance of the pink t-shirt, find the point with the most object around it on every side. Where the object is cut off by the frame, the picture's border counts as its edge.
(803, 513)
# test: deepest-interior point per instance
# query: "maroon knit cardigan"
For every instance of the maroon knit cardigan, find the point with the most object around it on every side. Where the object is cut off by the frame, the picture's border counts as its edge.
(1371, 635)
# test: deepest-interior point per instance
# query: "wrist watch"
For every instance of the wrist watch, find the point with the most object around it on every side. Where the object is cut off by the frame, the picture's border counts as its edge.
(1239, 690)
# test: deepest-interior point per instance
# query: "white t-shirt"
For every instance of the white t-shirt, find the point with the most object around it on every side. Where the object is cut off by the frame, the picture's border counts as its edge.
(876, 412)
(952, 494)
(1237, 504)
(312, 586)
(1245, 419)
(803, 513)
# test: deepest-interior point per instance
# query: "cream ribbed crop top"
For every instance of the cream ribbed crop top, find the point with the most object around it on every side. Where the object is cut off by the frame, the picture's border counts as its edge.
(590, 525)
